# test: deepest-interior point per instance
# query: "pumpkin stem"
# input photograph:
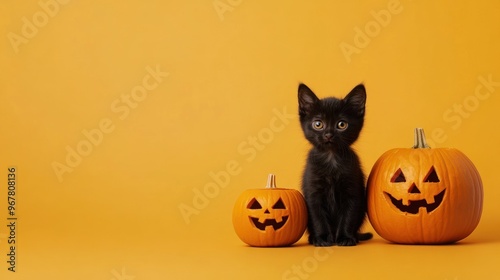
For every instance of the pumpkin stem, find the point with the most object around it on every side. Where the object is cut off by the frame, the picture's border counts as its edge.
(420, 142)
(271, 181)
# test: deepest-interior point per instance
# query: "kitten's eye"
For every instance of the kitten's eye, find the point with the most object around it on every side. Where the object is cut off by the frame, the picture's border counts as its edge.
(318, 125)
(341, 125)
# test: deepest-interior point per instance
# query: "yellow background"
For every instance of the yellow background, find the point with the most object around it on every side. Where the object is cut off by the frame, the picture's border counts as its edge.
(233, 68)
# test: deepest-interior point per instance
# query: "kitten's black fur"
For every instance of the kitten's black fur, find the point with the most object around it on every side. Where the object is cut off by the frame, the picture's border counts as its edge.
(333, 182)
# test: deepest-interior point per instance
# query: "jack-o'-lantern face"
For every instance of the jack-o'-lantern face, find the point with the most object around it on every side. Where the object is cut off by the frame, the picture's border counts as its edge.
(408, 195)
(271, 216)
(421, 195)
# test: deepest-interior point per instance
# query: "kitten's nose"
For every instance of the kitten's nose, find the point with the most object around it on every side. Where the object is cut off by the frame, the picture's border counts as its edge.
(328, 136)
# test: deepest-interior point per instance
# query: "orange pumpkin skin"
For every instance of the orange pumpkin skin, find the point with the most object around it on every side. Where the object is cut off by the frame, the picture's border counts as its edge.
(437, 200)
(270, 217)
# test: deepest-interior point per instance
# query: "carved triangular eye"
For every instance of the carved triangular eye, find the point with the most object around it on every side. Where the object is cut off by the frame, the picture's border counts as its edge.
(279, 204)
(432, 176)
(398, 177)
(254, 204)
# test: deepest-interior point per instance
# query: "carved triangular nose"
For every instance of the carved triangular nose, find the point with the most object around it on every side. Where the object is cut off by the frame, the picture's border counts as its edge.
(267, 211)
(413, 189)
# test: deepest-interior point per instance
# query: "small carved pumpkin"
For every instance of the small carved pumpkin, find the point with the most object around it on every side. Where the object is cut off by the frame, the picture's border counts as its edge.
(271, 216)
(424, 196)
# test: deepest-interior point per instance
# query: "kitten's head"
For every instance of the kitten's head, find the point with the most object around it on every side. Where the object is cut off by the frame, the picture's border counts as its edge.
(331, 123)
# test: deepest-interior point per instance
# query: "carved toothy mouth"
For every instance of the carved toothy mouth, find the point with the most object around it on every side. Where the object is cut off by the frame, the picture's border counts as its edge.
(414, 205)
(269, 222)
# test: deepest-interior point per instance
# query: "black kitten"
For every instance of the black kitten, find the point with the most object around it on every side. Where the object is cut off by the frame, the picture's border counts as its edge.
(333, 183)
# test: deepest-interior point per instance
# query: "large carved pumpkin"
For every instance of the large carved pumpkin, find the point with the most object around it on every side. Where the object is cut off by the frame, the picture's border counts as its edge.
(270, 216)
(421, 195)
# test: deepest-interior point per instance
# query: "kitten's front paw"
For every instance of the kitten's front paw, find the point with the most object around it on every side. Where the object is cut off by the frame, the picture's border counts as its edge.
(346, 241)
(323, 243)
(320, 242)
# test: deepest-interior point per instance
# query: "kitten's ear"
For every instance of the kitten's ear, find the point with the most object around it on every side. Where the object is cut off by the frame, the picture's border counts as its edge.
(357, 99)
(307, 99)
